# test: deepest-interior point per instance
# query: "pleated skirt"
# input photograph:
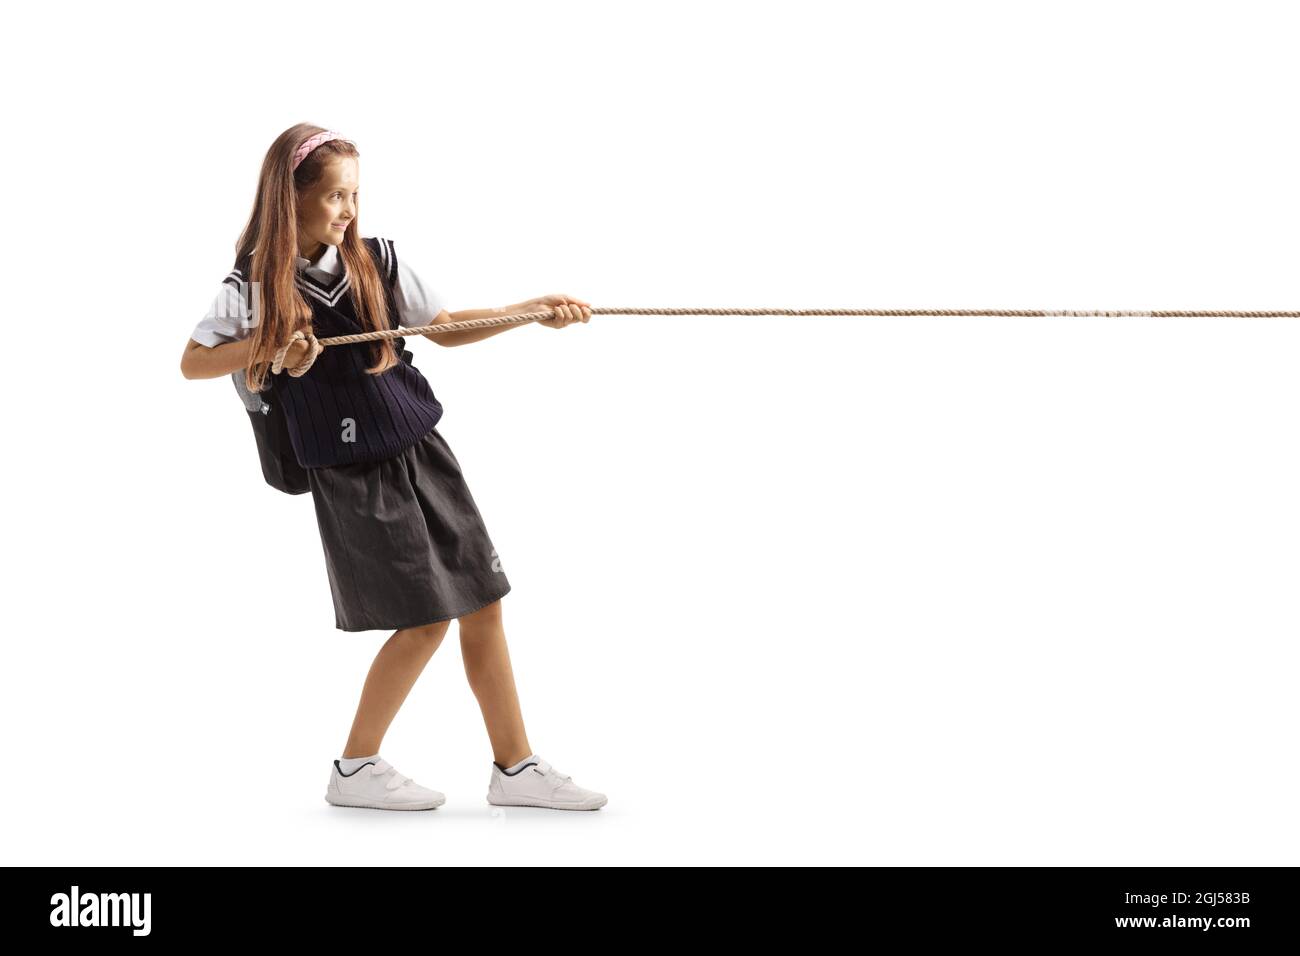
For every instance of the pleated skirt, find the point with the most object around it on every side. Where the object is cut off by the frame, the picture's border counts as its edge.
(404, 542)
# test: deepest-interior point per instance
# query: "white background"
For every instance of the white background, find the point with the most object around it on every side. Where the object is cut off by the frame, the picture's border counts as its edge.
(817, 590)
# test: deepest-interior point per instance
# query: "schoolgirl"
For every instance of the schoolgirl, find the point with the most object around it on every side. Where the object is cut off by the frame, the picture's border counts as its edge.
(406, 548)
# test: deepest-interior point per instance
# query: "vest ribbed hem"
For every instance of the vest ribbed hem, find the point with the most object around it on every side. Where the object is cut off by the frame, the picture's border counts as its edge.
(376, 452)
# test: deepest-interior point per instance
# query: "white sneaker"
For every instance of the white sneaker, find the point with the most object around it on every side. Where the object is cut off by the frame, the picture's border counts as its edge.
(380, 786)
(538, 784)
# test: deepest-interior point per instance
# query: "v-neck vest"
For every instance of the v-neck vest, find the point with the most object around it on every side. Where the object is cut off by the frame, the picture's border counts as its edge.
(337, 414)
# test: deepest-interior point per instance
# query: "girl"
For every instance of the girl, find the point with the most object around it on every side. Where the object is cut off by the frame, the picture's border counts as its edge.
(405, 546)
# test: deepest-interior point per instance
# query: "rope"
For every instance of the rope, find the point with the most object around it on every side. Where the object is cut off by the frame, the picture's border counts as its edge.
(319, 345)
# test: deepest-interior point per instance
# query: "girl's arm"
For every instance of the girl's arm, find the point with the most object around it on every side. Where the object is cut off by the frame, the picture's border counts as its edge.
(567, 310)
(200, 361)
(466, 336)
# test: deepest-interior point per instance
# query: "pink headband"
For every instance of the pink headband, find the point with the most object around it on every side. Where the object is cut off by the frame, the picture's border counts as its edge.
(311, 143)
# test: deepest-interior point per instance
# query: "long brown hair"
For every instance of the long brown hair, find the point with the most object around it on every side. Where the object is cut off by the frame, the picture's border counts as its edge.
(272, 237)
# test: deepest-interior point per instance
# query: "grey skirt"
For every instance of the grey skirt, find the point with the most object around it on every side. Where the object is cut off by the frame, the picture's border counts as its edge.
(404, 542)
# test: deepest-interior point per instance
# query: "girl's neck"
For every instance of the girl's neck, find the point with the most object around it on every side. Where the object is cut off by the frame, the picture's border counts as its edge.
(315, 253)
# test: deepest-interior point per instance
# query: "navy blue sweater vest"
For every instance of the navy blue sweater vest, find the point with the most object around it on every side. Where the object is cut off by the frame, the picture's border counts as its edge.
(337, 414)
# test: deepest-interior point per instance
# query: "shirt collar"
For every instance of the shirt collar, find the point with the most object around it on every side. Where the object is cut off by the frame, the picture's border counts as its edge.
(330, 261)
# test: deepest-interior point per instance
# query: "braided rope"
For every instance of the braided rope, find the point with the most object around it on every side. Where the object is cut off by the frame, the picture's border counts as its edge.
(318, 345)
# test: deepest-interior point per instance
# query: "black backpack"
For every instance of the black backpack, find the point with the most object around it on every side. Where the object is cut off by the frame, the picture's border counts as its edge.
(280, 465)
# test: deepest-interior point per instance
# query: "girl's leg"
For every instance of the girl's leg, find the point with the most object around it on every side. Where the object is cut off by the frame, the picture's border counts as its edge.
(392, 675)
(487, 665)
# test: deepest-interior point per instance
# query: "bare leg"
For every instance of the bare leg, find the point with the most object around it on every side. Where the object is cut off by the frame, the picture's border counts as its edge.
(487, 665)
(397, 666)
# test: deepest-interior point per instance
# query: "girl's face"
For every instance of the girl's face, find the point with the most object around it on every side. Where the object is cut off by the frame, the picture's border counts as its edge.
(328, 209)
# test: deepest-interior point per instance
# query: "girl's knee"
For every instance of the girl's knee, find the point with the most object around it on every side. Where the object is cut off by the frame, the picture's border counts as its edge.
(484, 615)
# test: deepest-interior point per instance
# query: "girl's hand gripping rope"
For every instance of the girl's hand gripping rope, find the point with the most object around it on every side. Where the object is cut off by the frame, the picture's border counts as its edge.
(298, 355)
(567, 310)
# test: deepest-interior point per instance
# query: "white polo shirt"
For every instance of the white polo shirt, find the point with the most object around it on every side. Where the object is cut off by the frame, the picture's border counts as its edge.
(228, 318)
